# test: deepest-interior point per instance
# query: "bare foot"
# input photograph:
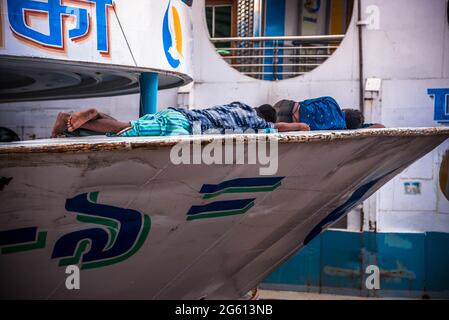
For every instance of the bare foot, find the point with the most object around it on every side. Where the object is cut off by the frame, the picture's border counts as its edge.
(60, 124)
(77, 119)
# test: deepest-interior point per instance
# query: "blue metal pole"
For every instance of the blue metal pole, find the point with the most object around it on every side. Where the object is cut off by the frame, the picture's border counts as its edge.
(274, 26)
(149, 83)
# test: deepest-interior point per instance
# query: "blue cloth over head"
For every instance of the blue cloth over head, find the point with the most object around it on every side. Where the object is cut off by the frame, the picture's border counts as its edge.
(322, 114)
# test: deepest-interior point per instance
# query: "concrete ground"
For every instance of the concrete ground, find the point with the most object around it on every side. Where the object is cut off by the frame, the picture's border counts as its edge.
(290, 295)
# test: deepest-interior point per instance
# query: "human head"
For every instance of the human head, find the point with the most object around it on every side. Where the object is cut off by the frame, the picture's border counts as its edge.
(7, 135)
(267, 112)
(284, 109)
(354, 118)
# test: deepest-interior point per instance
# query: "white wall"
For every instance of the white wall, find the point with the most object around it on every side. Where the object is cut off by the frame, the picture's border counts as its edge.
(410, 54)
(292, 18)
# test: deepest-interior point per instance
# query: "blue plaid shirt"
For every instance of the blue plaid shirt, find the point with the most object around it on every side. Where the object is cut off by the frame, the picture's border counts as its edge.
(236, 117)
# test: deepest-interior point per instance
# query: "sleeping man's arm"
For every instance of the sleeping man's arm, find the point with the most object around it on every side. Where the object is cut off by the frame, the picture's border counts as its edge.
(373, 126)
(376, 126)
(286, 127)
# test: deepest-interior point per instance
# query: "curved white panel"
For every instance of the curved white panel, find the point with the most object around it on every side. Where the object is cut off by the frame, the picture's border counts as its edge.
(101, 35)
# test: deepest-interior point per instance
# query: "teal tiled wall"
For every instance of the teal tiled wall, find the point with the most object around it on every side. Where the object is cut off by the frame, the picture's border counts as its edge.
(411, 265)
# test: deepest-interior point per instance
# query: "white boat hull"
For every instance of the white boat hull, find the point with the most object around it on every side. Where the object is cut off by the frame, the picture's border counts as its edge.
(155, 230)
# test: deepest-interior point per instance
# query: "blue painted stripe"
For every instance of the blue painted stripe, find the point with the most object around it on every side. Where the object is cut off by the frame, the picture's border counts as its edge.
(241, 183)
(219, 206)
(357, 197)
(274, 26)
(18, 236)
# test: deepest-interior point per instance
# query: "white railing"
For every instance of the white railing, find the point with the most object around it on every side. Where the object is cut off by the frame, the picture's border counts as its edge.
(276, 58)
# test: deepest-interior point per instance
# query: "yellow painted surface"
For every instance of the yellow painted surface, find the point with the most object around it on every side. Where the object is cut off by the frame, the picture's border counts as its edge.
(337, 17)
(178, 31)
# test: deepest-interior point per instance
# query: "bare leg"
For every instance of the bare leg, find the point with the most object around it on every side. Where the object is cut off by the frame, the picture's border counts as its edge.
(102, 125)
(77, 119)
(60, 125)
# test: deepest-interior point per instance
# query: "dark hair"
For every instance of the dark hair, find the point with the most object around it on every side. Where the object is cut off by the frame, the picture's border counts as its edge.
(267, 112)
(354, 118)
(7, 135)
(284, 110)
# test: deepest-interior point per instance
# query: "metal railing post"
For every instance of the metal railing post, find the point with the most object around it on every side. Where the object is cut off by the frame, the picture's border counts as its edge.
(149, 82)
(275, 60)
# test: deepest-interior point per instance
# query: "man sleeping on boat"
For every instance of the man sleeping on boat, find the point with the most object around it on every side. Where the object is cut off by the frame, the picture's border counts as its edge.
(316, 114)
(322, 113)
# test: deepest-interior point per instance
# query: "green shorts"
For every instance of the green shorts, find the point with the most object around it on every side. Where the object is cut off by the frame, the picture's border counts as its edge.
(167, 122)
